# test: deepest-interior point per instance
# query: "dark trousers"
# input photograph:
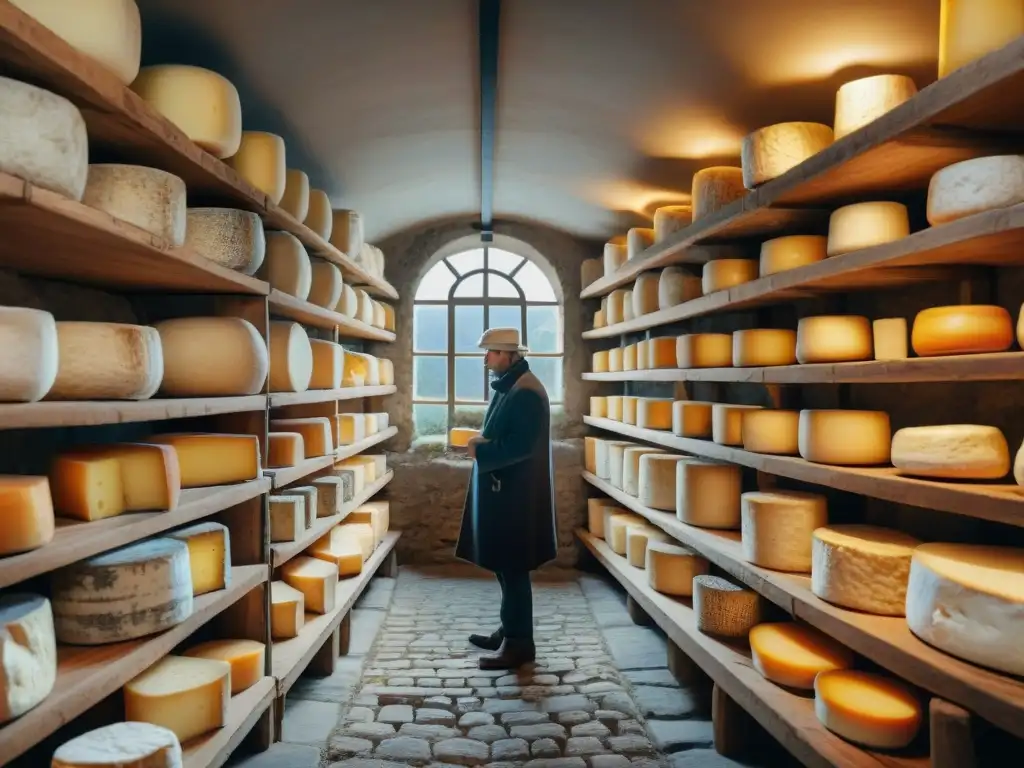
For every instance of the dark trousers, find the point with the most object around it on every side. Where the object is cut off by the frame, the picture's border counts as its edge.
(516, 604)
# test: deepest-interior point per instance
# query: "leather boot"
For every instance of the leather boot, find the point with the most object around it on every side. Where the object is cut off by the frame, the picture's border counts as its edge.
(491, 642)
(513, 653)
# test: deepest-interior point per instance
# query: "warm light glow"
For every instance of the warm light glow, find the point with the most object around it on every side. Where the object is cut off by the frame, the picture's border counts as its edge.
(635, 196)
(690, 133)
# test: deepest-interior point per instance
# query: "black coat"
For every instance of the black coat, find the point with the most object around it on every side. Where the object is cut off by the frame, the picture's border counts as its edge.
(508, 522)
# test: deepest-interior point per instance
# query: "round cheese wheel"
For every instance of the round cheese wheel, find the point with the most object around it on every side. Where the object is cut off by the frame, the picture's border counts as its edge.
(722, 274)
(286, 265)
(833, 339)
(637, 539)
(348, 304)
(596, 513)
(976, 185)
(658, 480)
(708, 493)
(660, 352)
(325, 286)
(845, 438)
(229, 237)
(792, 654)
(365, 304)
(671, 218)
(654, 412)
(676, 286)
(599, 407)
(603, 457)
(629, 409)
(347, 232)
(615, 311)
(951, 451)
(617, 527)
(615, 360)
(29, 354)
(790, 252)
(723, 608)
(631, 467)
(770, 431)
(890, 338)
(615, 407)
(107, 361)
(704, 350)
(771, 151)
(615, 255)
(863, 101)
(295, 201)
(212, 357)
(867, 709)
(642, 355)
(291, 357)
(629, 357)
(150, 199)
(599, 319)
(627, 305)
(961, 330)
(671, 568)
(763, 347)
(714, 188)
(638, 240)
(121, 744)
(599, 362)
(319, 217)
(776, 528)
(691, 418)
(645, 293)
(260, 160)
(727, 422)
(863, 225)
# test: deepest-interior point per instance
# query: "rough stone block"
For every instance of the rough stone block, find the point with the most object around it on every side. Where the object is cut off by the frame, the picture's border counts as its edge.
(487, 733)
(405, 749)
(395, 713)
(462, 751)
(677, 735)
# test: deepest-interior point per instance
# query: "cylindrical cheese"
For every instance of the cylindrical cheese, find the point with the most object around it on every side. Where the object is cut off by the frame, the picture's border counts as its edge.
(260, 160)
(974, 186)
(325, 285)
(28, 517)
(631, 467)
(629, 409)
(615, 360)
(328, 364)
(723, 608)
(708, 493)
(661, 352)
(890, 338)
(613, 512)
(645, 293)
(704, 350)
(671, 568)
(863, 101)
(590, 454)
(676, 286)
(867, 709)
(969, 29)
(961, 330)
(231, 238)
(599, 319)
(863, 225)
(617, 526)
(790, 252)
(29, 354)
(642, 360)
(863, 567)
(691, 418)
(605, 459)
(658, 480)
(771, 431)
(617, 462)
(296, 194)
(792, 654)
(722, 274)
(654, 413)
(596, 509)
(629, 360)
(627, 305)
(776, 528)
(319, 217)
(591, 271)
(637, 539)
(638, 239)
(212, 357)
(615, 407)
(771, 151)
(599, 361)
(150, 199)
(599, 407)
(615, 254)
(951, 452)
(286, 265)
(845, 438)
(671, 218)
(714, 188)
(833, 339)
(615, 312)
(727, 422)
(107, 361)
(119, 745)
(763, 347)
(291, 357)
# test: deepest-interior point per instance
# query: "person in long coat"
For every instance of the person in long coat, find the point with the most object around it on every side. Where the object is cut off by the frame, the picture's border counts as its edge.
(508, 522)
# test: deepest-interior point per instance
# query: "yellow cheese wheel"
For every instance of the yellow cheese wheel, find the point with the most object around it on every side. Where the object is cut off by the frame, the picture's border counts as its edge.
(708, 493)
(599, 319)
(629, 357)
(833, 339)
(771, 431)
(295, 201)
(952, 452)
(615, 255)
(863, 101)
(969, 29)
(889, 335)
(763, 347)
(615, 407)
(867, 709)
(658, 480)
(615, 311)
(853, 438)
(793, 654)
(107, 361)
(691, 418)
(671, 218)
(615, 360)
(863, 225)
(638, 240)
(714, 188)
(661, 352)
(645, 293)
(599, 362)
(727, 422)
(629, 409)
(637, 539)
(654, 413)
(260, 160)
(599, 407)
(319, 217)
(961, 330)
(791, 252)
(671, 568)
(722, 274)
(777, 528)
(676, 286)
(771, 151)
(212, 357)
(704, 350)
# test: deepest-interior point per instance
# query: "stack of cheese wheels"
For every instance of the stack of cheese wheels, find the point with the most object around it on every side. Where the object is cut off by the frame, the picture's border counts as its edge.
(727, 422)
(833, 339)
(708, 493)
(691, 418)
(771, 431)
(867, 709)
(973, 186)
(704, 350)
(677, 286)
(671, 568)
(714, 188)
(961, 330)
(951, 452)
(863, 101)
(615, 530)
(792, 655)
(862, 567)
(845, 438)
(863, 225)
(637, 540)
(777, 528)
(661, 352)
(790, 252)
(889, 336)
(771, 151)
(658, 480)
(642, 352)
(671, 218)
(228, 237)
(723, 608)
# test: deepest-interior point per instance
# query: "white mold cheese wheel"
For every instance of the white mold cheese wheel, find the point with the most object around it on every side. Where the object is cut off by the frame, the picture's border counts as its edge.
(616, 528)
(121, 745)
(654, 413)
(29, 354)
(631, 467)
(834, 339)
(671, 218)
(291, 358)
(676, 286)
(961, 330)
(769, 152)
(968, 600)
(867, 709)
(152, 200)
(296, 194)
(326, 284)
(212, 357)
(599, 362)
(28, 647)
(617, 462)
(347, 232)
(763, 347)
(969, 30)
(130, 592)
(638, 240)
(661, 352)
(722, 274)
(615, 311)
(671, 568)
(723, 608)
(286, 266)
(863, 101)
(319, 217)
(974, 186)
(45, 140)
(863, 225)
(771, 431)
(658, 480)
(714, 188)
(863, 567)
(615, 255)
(727, 422)
(951, 452)
(845, 438)
(202, 104)
(107, 361)
(645, 294)
(604, 457)
(691, 418)
(704, 350)
(889, 335)
(792, 654)
(629, 357)
(784, 253)
(777, 527)
(107, 31)
(708, 493)
(637, 539)
(591, 270)
(226, 236)
(260, 160)
(599, 407)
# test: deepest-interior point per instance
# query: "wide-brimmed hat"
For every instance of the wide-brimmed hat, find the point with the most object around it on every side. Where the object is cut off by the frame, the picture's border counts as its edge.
(501, 340)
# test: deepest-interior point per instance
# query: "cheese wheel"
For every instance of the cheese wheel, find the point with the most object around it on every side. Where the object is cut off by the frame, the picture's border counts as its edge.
(863, 101)
(615, 255)
(722, 274)
(615, 360)
(316, 579)
(287, 611)
(231, 238)
(863, 225)
(286, 265)
(186, 695)
(629, 361)
(671, 218)
(121, 745)
(617, 462)
(714, 188)
(654, 413)
(599, 362)
(291, 358)
(631, 467)
(645, 294)
(642, 361)
(969, 30)
(790, 252)
(328, 364)
(591, 270)
(29, 354)
(867, 709)
(295, 201)
(325, 287)
(287, 517)
(965, 599)
(704, 350)
(201, 104)
(212, 357)
(209, 554)
(770, 431)
(213, 459)
(29, 648)
(316, 431)
(599, 407)
(28, 514)
(723, 608)
(319, 218)
(889, 336)
(833, 339)
(763, 347)
(638, 240)
(845, 438)
(246, 658)
(55, 157)
(629, 408)
(152, 200)
(974, 186)
(961, 330)
(347, 232)
(376, 514)
(260, 160)
(691, 418)
(776, 528)
(595, 514)
(616, 527)
(792, 655)
(708, 493)
(615, 407)
(676, 286)
(727, 422)
(637, 539)
(605, 459)
(284, 449)
(590, 454)
(150, 478)
(661, 352)
(671, 568)
(615, 312)
(378, 314)
(364, 307)
(107, 361)
(951, 452)
(627, 305)
(599, 319)
(771, 151)
(862, 567)
(657, 480)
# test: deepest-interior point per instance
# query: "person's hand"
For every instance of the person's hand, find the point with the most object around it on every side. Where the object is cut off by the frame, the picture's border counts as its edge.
(472, 444)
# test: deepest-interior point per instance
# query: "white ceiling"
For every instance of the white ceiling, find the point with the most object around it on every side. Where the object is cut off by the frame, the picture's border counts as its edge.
(605, 107)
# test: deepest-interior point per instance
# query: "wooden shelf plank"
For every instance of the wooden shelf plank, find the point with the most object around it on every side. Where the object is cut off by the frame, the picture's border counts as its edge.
(88, 674)
(291, 657)
(283, 305)
(213, 749)
(992, 238)
(886, 640)
(788, 716)
(281, 399)
(1002, 503)
(282, 552)
(1003, 366)
(75, 540)
(79, 413)
(122, 124)
(288, 475)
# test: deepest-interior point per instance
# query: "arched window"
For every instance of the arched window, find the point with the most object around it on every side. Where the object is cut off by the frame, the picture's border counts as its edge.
(457, 299)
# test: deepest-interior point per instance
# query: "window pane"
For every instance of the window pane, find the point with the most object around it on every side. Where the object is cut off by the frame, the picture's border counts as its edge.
(500, 287)
(469, 325)
(549, 371)
(534, 284)
(542, 329)
(430, 328)
(467, 261)
(436, 283)
(503, 261)
(506, 317)
(471, 288)
(430, 420)
(471, 416)
(430, 378)
(469, 378)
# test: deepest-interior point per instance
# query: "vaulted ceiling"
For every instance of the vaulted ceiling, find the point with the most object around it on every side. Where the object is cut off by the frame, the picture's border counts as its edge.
(605, 107)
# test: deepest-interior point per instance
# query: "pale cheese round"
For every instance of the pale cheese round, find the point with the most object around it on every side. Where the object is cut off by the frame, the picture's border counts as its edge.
(727, 422)
(645, 294)
(615, 360)
(629, 357)
(968, 31)
(691, 418)
(107, 361)
(833, 339)
(596, 512)
(29, 354)
(762, 347)
(291, 357)
(722, 274)
(389, 317)
(599, 407)
(613, 512)
(671, 218)
(792, 654)
(671, 568)
(657, 480)
(976, 185)
(631, 467)
(348, 304)
(590, 454)
(964, 329)
(599, 361)
(771, 431)
(776, 528)
(661, 352)
(790, 252)
(951, 452)
(627, 305)
(616, 462)
(150, 199)
(629, 409)
(605, 459)
(845, 438)
(863, 101)
(387, 372)
(260, 160)
(616, 528)
(328, 364)
(326, 284)
(704, 350)
(867, 709)
(654, 413)
(29, 649)
(599, 319)
(226, 236)
(708, 493)
(364, 313)
(863, 225)
(212, 357)
(638, 240)
(637, 540)
(769, 152)
(714, 188)
(889, 335)
(677, 286)
(286, 265)
(615, 255)
(347, 232)
(121, 745)
(615, 407)
(615, 312)
(723, 608)
(295, 201)
(642, 352)
(591, 270)
(319, 217)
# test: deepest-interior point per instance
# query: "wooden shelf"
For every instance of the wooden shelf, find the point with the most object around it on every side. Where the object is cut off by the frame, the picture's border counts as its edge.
(886, 640)
(291, 657)
(1003, 503)
(76, 540)
(899, 151)
(992, 238)
(283, 305)
(788, 716)
(1004, 366)
(88, 674)
(288, 475)
(281, 399)
(79, 413)
(123, 125)
(282, 552)
(245, 708)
